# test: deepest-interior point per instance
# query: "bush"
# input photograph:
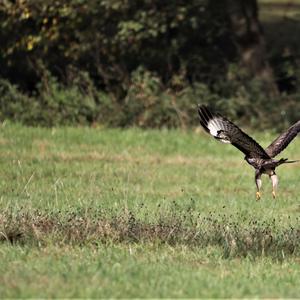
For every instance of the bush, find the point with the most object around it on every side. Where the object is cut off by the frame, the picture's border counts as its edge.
(15, 105)
(53, 104)
(148, 103)
(65, 105)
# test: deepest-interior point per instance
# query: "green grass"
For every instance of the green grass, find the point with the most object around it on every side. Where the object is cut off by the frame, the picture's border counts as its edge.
(133, 213)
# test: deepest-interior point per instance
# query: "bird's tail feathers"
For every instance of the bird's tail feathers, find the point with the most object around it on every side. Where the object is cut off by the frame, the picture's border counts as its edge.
(286, 161)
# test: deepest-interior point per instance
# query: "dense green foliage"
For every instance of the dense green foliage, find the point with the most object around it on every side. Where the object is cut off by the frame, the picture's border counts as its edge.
(142, 213)
(123, 63)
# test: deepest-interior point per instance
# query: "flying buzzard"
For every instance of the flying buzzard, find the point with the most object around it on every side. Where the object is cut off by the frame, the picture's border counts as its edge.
(262, 160)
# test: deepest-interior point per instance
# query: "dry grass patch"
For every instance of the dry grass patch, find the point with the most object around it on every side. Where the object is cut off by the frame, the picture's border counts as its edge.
(253, 237)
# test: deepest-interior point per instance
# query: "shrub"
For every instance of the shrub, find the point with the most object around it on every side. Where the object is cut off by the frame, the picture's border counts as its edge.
(148, 102)
(15, 105)
(53, 104)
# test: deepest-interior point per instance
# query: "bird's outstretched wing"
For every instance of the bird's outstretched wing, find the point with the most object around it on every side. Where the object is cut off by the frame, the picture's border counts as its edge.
(283, 140)
(225, 131)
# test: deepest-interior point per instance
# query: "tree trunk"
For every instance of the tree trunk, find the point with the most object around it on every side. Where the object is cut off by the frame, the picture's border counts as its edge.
(250, 40)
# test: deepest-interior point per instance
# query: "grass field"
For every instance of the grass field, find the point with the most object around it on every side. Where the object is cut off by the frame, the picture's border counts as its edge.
(132, 213)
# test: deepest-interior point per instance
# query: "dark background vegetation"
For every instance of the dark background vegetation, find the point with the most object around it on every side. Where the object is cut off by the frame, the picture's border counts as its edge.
(148, 63)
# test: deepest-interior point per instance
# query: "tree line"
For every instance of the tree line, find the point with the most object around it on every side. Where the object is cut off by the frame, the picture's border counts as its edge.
(133, 62)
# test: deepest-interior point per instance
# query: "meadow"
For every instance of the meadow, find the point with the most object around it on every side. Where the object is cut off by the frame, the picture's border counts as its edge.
(94, 212)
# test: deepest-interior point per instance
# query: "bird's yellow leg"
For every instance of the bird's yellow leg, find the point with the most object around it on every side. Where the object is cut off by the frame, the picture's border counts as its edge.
(258, 183)
(274, 180)
(258, 195)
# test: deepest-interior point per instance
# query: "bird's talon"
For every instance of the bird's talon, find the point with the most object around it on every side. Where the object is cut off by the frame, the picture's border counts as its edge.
(273, 194)
(258, 196)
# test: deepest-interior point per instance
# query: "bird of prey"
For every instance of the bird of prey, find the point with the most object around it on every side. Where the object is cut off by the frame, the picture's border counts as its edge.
(262, 160)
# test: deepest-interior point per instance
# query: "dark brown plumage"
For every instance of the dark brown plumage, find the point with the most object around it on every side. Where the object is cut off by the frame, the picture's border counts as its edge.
(283, 140)
(262, 160)
(227, 132)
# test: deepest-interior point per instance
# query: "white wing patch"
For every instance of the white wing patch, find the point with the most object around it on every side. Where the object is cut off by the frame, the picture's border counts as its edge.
(214, 125)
